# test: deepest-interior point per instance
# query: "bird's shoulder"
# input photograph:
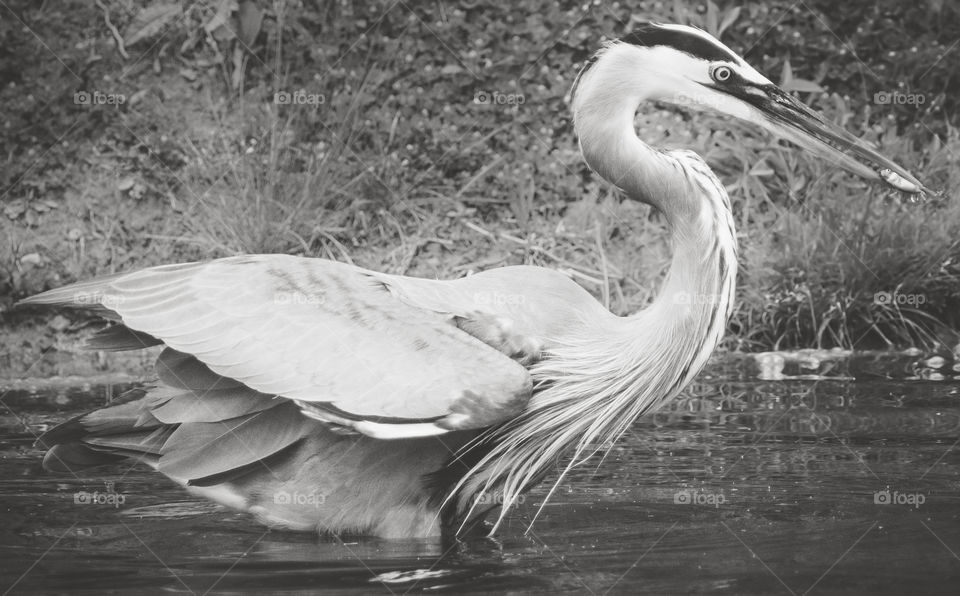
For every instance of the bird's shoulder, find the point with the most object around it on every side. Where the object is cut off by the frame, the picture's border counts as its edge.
(535, 303)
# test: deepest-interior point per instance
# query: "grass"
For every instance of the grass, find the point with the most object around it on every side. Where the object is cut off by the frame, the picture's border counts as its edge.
(850, 266)
(399, 169)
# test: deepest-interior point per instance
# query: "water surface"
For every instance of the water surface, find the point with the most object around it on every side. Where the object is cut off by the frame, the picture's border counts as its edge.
(741, 487)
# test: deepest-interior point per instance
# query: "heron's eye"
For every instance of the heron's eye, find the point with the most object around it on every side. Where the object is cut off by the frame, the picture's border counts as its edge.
(721, 74)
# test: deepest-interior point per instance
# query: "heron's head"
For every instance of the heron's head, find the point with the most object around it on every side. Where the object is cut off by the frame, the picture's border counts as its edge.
(687, 67)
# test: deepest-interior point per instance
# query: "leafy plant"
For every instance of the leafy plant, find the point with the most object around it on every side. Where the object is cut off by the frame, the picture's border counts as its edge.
(442, 145)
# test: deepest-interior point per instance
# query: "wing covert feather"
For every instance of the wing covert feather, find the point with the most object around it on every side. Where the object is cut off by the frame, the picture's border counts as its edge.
(315, 330)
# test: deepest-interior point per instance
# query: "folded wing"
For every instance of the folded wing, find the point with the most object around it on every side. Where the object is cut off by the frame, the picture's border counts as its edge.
(326, 335)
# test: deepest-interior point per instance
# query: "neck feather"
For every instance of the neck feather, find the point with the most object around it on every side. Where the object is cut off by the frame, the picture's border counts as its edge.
(686, 321)
(591, 388)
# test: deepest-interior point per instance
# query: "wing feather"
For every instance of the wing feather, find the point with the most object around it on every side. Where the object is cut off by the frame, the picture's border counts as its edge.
(201, 449)
(315, 331)
(184, 371)
(119, 338)
(213, 406)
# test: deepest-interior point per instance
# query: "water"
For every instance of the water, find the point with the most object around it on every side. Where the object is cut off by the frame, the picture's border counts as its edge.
(741, 487)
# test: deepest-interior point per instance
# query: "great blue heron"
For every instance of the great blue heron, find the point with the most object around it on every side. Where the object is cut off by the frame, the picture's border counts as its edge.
(319, 395)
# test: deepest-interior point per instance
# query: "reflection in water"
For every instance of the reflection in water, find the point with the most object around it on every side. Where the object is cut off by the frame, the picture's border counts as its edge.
(738, 488)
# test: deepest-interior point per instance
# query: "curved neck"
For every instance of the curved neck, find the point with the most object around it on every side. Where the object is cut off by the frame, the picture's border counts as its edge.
(687, 319)
(612, 149)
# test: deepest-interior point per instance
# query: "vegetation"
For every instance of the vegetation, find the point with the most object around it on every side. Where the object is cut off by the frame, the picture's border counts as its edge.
(434, 139)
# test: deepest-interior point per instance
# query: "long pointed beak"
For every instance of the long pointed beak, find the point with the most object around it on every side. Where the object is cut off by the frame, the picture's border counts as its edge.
(786, 117)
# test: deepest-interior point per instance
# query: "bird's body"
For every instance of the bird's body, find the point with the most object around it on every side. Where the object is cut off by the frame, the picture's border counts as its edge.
(421, 366)
(319, 395)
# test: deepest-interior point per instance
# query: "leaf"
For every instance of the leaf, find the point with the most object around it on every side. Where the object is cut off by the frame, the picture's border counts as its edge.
(14, 209)
(712, 25)
(150, 21)
(33, 259)
(59, 323)
(786, 74)
(761, 169)
(798, 184)
(250, 17)
(934, 144)
(225, 33)
(137, 97)
(803, 86)
(728, 19)
(238, 62)
(224, 9)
